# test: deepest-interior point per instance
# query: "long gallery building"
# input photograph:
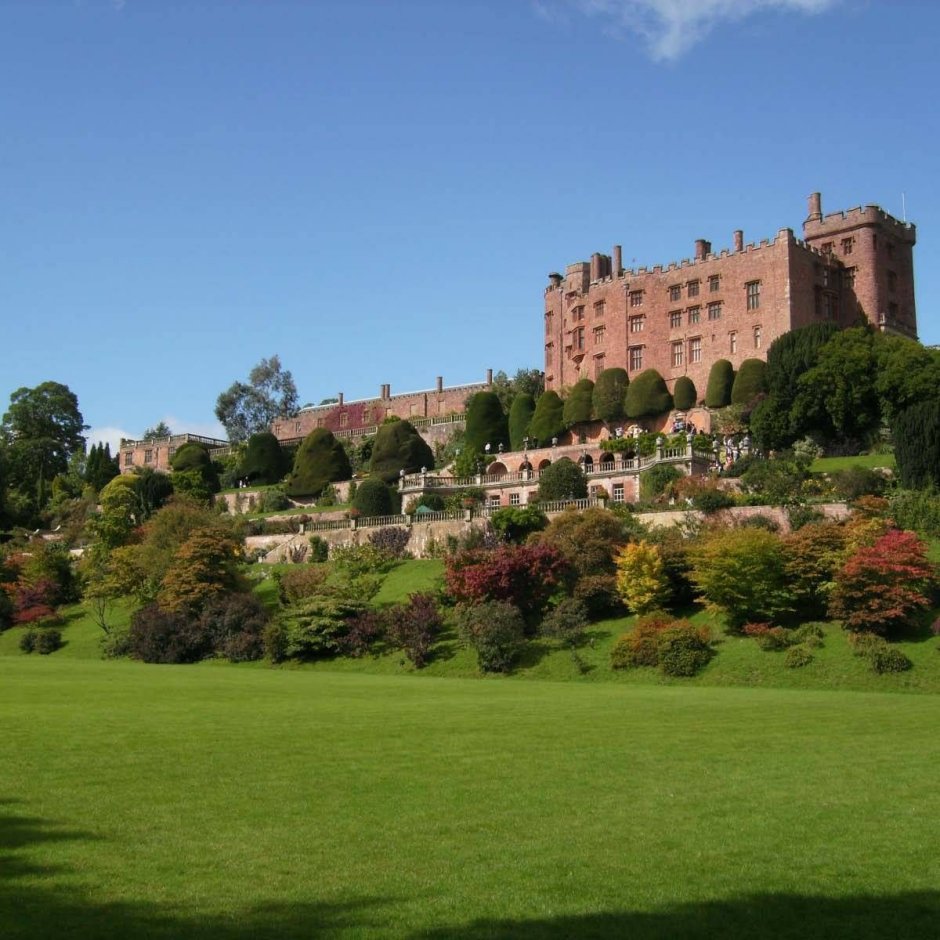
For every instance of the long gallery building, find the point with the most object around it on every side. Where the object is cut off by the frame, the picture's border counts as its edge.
(681, 317)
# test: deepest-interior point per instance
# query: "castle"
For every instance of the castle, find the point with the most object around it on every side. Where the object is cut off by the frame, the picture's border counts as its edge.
(681, 317)
(677, 318)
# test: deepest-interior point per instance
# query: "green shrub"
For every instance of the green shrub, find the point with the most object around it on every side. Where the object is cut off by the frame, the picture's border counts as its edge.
(566, 621)
(374, 497)
(319, 460)
(750, 382)
(319, 549)
(640, 647)
(486, 423)
(647, 396)
(398, 446)
(495, 630)
(798, 656)
(563, 479)
(809, 632)
(296, 584)
(917, 510)
(917, 444)
(358, 560)
(653, 482)
(265, 460)
(608, 397)
(685, 394)
(684, 650)
(274, 500)
(392, 541)
(598, 593)
(48, 641)
(578, 407)
(517, 523)
(889, 659)
(275, 642)
(854, 482)
(720, 382)
(548, 420)
(28, 641)
(521, 413)
(413, 626)
(711, 499)
(317, 625)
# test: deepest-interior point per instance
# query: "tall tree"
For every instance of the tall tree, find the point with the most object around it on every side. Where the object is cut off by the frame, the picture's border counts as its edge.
(577, 406)
(249, 408)
(42, 429)
(160, 429)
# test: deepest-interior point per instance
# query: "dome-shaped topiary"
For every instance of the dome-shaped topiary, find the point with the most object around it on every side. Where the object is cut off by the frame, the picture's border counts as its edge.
(520, 417)
(684, 395)
(486, 423)
(398, 446)
(265, 461)
(548, 420)
(374, 497)
(320, 459)
(610, 391)
(720, 382)
(647, 396)
(578, 406)
(750, 381)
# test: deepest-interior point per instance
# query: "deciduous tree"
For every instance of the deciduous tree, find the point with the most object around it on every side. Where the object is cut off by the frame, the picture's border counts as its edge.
(248, 408)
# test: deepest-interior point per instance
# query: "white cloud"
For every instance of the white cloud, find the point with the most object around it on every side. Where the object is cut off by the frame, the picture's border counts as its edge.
(671, 27)
(107, 435)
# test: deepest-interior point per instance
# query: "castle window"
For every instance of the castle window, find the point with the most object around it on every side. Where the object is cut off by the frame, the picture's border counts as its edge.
(579, 338)
(714, 283)
(824, 274)
(753, 295)
(319, 422)
(678, 354)
(343, 419)
(890, 249)
(892, 312)
(636, 298)
(600, 309)
(714, 311)
(297, 427)
(598, 365)
(549, 353)
(598, 335)
(675, 292)
(733, 343)
(826, 248)
(148, 456)
(366, 417)
(636, 358)
(692, 288)
(637, 324)
(493, 501)
(513, 499)
(695, 315)
(830, 306)
(847, 245)
(758, 337)
(892, 281)
(549, 321)
(129, 459)
(617, 494)
(850, 278)
(695, 349)
(578, 313)
(675, 319)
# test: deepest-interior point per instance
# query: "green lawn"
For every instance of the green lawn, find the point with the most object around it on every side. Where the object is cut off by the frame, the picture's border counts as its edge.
(183, 802)
(831, 464)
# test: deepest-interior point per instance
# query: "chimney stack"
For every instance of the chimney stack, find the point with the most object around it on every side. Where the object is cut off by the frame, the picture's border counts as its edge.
(738, 239)
(489, 376)
(440, 384)
(555, 279)
(815, 208)
(595, 266)
(702, 248)
(617, 263)
(339, 398)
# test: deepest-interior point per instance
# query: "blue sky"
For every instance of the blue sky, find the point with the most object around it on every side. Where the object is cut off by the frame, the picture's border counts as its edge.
(376, 191)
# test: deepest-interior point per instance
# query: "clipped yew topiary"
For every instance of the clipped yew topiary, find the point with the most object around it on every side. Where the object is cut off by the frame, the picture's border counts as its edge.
(563, 479)
(520, 417)
(486, 423)
(750, 382)
(610, 391)
(577, 406)
(647, 396)
(548, 420)
(684, 395)
(320, 460)
(917, 444)
(398, 446)
(195, 457)
(374, 497)
(720, 382)
(265, 461)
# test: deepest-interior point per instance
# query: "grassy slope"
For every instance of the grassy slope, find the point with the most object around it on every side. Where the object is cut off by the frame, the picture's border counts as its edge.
(831, 464)
(739, 661)
(241, 803)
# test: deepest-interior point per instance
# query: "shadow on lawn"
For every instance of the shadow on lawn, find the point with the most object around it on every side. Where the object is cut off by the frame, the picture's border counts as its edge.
(35, 903)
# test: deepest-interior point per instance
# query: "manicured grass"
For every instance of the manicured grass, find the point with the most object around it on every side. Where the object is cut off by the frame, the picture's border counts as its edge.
(831, 464)
(183, 802)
